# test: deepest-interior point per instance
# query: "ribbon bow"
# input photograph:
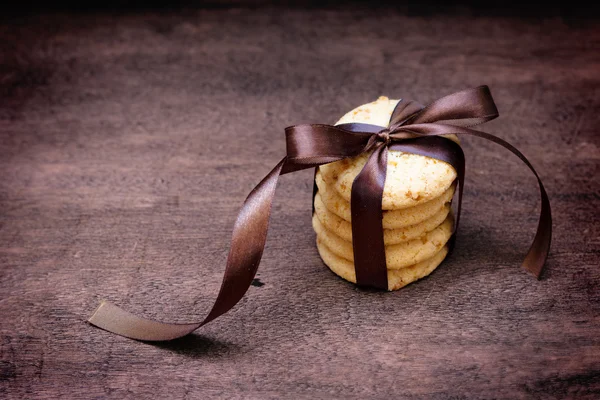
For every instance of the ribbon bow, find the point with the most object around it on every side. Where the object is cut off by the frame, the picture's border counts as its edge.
(413, 129)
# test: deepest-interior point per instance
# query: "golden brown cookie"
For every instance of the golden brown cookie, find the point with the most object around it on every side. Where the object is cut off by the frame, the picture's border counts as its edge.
(397, 255)
(397, 278)
(411, 179)
(392, 219)
(343, 228)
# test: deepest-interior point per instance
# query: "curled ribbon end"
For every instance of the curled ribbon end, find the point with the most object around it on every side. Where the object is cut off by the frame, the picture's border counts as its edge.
(535, 274)
(92, 317)
(113, 319)
(104, 315)
(534, 270)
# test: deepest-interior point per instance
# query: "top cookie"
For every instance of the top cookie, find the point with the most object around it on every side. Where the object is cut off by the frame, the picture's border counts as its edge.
(375, 113)
(411, 179)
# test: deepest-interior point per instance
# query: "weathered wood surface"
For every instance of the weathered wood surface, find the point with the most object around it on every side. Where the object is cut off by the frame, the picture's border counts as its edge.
(128, 142)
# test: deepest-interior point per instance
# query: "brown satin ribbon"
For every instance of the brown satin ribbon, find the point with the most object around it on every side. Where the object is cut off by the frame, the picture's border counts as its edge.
(413, 129)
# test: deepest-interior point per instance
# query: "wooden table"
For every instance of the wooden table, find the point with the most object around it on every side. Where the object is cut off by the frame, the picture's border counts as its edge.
(128, 141)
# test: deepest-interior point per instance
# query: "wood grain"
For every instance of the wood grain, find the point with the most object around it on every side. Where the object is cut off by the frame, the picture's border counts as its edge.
(128, 142)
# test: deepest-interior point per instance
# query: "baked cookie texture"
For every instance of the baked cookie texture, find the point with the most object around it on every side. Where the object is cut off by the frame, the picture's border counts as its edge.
(411, 179)
(417, 217)
(392, 219)
(343, 228)
(377, 112)
(396, 255)
(397, 278)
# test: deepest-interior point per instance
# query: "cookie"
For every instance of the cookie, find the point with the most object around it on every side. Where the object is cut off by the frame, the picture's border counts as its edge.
(397, 278)
(397, 255)
(392, 219)
(377, 112)
(411, 179)
(343, 228)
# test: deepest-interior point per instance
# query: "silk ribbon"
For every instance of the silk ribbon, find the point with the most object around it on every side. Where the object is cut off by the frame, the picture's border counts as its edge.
(413, 128)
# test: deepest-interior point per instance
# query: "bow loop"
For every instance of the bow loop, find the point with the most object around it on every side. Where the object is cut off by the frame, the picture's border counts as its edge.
(466, 108)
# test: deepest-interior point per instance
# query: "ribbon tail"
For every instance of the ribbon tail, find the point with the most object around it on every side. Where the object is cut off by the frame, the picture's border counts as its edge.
(248, 241)
(367, 221)
(538, 252)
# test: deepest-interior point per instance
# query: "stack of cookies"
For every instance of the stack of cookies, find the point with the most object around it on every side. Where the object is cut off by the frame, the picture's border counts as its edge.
(417, 218)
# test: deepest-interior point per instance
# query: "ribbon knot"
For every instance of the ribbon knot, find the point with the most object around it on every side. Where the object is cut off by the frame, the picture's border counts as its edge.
(383, 136)
(412, 128)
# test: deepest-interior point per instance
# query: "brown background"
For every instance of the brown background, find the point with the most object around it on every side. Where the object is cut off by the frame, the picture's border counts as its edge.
(128, 140)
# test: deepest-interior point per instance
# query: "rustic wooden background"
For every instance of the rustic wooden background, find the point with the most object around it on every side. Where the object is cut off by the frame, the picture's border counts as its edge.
(129, 139)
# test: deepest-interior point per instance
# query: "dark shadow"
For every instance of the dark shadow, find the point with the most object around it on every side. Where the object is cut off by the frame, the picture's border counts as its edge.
(197, 346)
(479, 247)
(472, 8)
(586, 383)
(23, 70)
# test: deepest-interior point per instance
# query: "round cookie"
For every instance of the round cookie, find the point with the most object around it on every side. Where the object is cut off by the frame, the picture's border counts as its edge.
(411, 179)
(343, 228)
(377, 112)
(397, 278)
(397, 255)
(392, 219)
